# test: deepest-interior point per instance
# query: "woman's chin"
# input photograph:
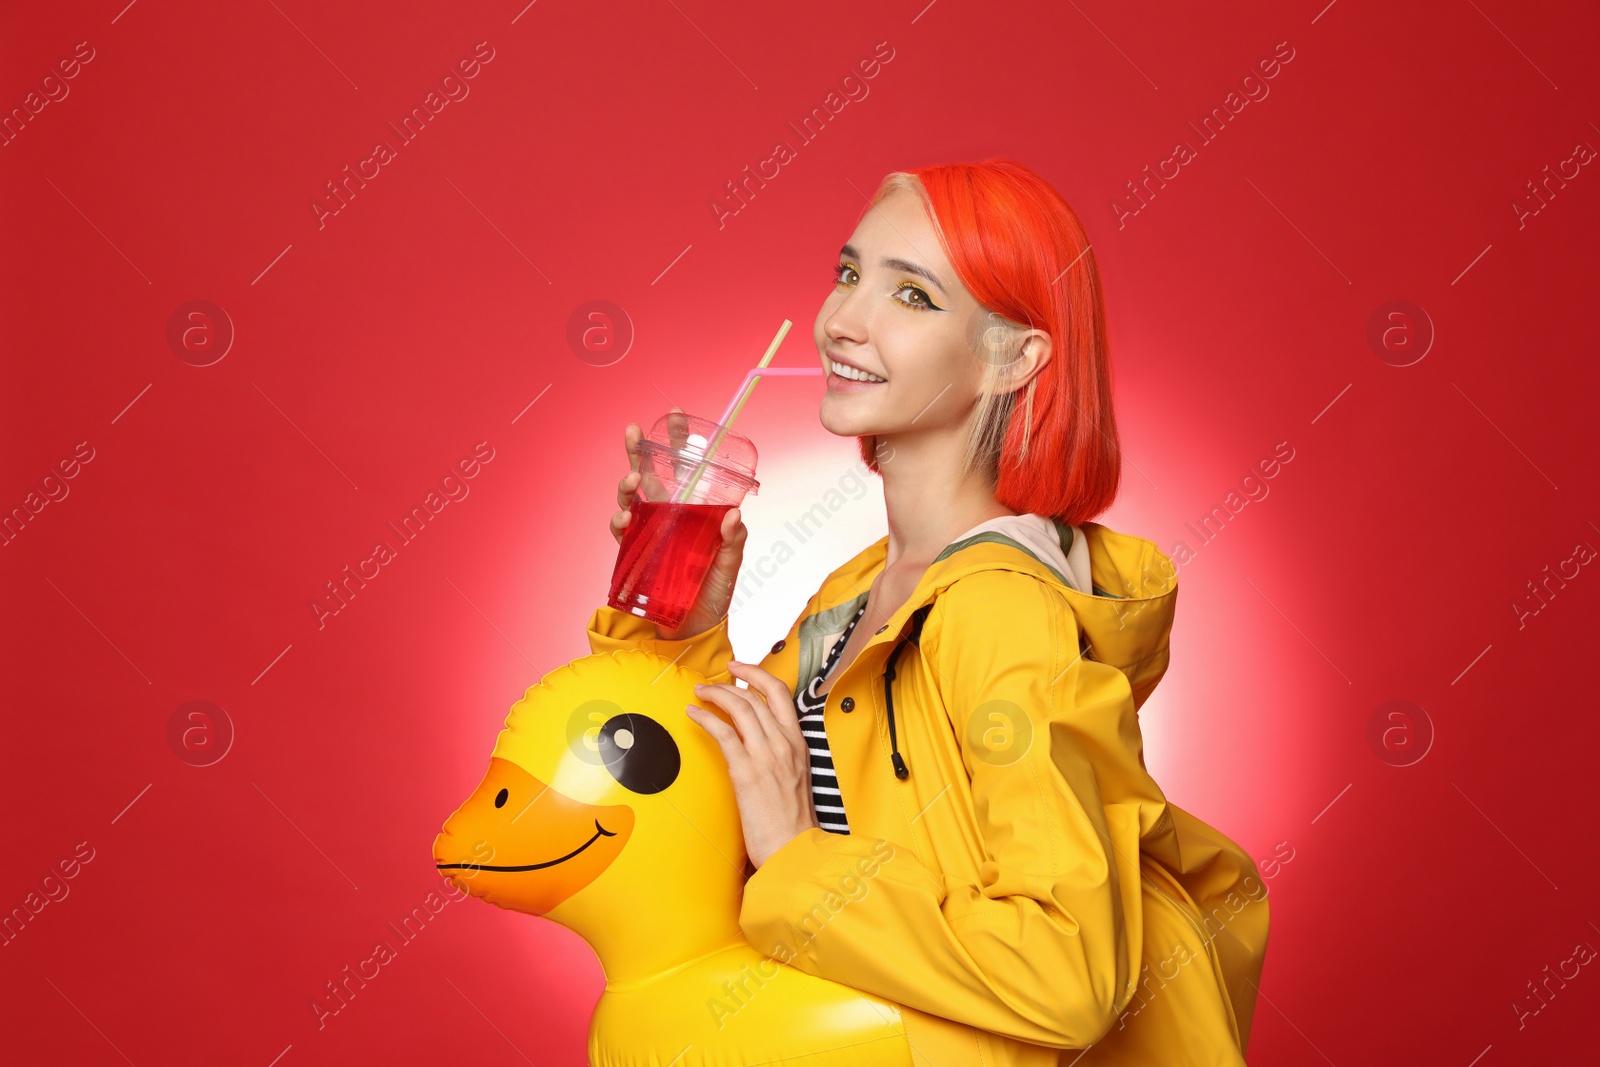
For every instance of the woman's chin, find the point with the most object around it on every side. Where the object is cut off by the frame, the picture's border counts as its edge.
(842, 425)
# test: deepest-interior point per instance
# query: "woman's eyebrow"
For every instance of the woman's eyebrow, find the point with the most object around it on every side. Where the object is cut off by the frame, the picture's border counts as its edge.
(900, 264)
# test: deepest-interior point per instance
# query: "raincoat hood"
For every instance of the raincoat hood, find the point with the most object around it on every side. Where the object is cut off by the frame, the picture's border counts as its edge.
(1124, 619)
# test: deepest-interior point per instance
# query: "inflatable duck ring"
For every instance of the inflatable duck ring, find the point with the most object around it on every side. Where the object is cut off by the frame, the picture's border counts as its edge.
(608, 810)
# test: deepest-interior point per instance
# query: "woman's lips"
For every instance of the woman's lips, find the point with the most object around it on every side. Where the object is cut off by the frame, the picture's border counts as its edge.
(848, 385)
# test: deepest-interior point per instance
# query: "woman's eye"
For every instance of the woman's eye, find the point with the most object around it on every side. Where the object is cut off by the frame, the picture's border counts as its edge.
(920, 302)
(908, 288)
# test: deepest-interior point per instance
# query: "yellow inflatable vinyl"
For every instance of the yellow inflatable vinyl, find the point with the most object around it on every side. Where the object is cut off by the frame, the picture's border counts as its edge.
(608, 810)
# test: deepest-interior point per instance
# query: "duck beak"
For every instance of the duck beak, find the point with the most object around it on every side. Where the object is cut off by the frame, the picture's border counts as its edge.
(522, 845)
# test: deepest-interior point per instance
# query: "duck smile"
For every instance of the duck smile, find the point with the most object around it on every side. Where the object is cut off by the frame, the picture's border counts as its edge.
(599, 832)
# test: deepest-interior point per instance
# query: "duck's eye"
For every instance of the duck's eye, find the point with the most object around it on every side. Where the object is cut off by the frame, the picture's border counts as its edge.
(500, 798)
(639, 753)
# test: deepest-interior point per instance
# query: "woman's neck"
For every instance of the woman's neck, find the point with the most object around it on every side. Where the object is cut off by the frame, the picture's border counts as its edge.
(929, 501)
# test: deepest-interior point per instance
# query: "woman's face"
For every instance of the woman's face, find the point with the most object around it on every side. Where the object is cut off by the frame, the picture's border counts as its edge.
(898, 311)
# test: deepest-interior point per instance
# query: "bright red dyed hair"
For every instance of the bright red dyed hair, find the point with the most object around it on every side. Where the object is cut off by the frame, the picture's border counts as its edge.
(1021, 252)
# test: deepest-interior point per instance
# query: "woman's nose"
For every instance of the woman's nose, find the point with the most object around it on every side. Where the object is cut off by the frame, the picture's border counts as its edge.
(845, 321)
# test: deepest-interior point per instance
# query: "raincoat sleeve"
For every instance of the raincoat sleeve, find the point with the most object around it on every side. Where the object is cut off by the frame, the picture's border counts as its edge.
(707, 652)
(1034, 947)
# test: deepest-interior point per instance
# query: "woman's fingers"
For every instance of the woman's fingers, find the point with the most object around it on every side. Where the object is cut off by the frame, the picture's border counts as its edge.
(781, 718)
(740, 706)
(775, 709)
(631, 436)
(677, 427)
(725, 564)
(724, 735)
(626, 487)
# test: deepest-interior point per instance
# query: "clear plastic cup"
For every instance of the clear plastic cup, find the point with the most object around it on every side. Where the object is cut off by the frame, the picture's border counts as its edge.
(676, 527)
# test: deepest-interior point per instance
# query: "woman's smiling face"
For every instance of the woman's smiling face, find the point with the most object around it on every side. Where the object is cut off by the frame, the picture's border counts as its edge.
(898, 311)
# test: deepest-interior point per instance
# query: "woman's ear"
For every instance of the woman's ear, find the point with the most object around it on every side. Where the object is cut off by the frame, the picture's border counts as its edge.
(1016, 353)
(1036, 350)
(1019, 354)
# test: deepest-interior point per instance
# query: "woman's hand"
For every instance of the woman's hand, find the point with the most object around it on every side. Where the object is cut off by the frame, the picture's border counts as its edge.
(769, 761)
(716, 595)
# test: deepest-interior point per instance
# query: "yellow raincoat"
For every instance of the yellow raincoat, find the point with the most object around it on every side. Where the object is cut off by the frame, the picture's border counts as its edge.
(1040, 896)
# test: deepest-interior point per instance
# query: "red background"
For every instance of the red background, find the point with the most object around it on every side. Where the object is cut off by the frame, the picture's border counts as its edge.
(373, 353)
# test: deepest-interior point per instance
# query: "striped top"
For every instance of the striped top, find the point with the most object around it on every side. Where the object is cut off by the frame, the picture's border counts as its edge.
(824, 783)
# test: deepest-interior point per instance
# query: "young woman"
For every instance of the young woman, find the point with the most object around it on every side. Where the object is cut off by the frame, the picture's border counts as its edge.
(939, 770)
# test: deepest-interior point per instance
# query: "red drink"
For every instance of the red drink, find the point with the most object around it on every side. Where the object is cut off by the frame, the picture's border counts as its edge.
(666, 553)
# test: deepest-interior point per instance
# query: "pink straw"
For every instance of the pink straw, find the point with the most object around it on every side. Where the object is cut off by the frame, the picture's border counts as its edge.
(758, 372)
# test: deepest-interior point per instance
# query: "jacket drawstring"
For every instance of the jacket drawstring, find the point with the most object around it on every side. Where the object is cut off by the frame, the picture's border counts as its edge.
(915, 637)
